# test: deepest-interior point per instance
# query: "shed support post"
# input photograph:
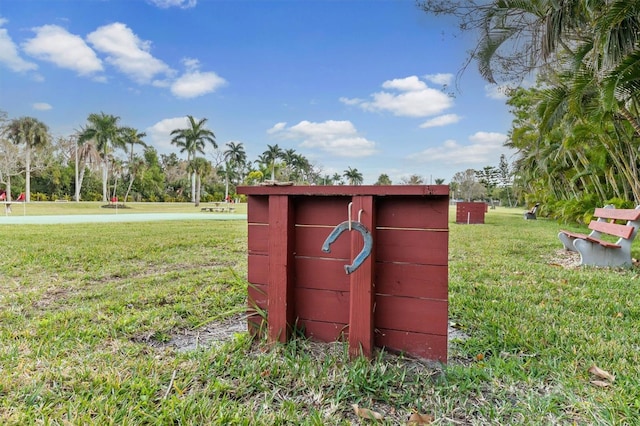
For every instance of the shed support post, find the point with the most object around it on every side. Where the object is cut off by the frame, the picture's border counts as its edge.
(281, 268)
(362, 292)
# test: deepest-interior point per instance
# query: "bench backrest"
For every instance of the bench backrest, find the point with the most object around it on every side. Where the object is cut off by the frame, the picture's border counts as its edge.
(617, 214)
(611, 228)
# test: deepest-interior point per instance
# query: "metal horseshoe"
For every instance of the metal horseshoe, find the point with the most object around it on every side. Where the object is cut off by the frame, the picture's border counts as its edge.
(366, 235)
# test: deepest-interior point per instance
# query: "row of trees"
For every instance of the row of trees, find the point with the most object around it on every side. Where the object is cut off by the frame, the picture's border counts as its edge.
(577, 131)
(105, 160)
(489, 183)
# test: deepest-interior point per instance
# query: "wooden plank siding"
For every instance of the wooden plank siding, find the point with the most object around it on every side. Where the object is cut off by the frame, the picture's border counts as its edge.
(397, 299)
(470, 212)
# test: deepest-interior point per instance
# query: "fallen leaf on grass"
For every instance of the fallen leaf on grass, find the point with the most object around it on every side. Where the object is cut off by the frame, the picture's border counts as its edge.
(420, 419)
(596, 371)
(600, 383)
(365, 413)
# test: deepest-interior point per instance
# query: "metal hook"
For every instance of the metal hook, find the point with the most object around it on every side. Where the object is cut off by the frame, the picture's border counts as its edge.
(366, 235)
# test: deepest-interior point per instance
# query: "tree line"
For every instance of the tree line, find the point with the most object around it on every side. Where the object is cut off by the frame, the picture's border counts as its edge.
(105, 160)
(576, 129)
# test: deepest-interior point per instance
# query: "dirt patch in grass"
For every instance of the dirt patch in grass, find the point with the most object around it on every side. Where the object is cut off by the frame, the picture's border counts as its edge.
(565, 259)
(216, 332)
(192, 339)
(571, 259)
(222, 331)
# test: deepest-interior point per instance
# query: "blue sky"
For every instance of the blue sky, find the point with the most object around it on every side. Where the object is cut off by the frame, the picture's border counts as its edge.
(362, 84)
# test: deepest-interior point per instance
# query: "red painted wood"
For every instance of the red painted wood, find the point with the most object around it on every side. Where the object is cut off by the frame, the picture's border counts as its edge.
(622, 231)
(257, 300)
(412, 212)
(258, 269)
(258, 235)
(472, 213)
(412, 280)
(411, 314)
(321, 274)
(405, 279)
(618, 214)
(309, 242)
(603, 242)
(574, 234)
(281, 268)
(324, 331)
(328, 211)
(347, 190)
(361, 300)
(427, 346)
(412, 246)
(256, 326)
(322, 305)
(257, 209)
(258, 295)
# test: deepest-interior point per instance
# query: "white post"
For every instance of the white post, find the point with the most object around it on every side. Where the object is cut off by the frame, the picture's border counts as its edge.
(77, 191)
(468, 218)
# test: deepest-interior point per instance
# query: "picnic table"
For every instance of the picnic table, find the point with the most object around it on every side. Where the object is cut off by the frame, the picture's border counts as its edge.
(218, 207)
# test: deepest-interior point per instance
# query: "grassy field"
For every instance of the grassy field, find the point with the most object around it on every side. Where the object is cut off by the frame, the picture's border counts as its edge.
(90, 207)
(92, 316)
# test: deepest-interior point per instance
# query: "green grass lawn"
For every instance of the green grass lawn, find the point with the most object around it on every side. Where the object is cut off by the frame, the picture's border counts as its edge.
(88, 314)
(38, 208)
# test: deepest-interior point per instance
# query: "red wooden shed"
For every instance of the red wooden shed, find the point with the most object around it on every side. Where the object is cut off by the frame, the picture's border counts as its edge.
(471, 212)
(396, 299)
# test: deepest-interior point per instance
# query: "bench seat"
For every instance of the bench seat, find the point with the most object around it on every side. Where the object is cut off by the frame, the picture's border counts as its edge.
(596, 251)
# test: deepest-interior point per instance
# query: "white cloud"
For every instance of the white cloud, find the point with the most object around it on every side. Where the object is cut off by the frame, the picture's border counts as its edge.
(409, 97)
(182, 4)
(442, 79)
(277, 127)
(9, 53)
(441, 120)
(42, 106)
(56, 45)
(128, 53)
(485, 148)
(349, 101)
(408, 84)
(338, 138)
(194, 83)
(490, 138)
(160, 133)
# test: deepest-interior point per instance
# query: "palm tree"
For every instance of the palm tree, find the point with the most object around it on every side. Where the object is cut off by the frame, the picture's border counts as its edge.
(117, 169)
(353, 176)
(337, 179)
(132, 137)
(270, 156)
(200, 168)
(236, 156)
(291, 160)
(135, 166)
(103, 130)
(192, 141)
(32, 133)
(9, 164)
(87, 153)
